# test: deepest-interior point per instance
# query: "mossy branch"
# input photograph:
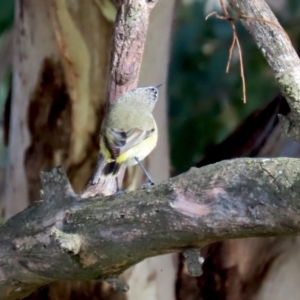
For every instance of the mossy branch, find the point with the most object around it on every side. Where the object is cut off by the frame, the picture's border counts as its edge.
(66, 237)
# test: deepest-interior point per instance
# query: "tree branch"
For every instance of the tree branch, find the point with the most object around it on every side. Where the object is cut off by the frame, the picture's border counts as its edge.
(278, 50)
(66, 237)
(128, 45)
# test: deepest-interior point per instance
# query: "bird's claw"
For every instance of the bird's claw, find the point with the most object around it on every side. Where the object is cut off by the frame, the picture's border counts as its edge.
(147, 184)
(119, 192)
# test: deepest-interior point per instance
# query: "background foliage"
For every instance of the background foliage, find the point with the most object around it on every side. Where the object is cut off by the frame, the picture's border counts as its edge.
(6, 14)
(206, 103)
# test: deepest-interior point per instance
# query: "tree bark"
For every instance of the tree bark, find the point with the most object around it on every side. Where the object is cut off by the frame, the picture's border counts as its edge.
(242, 268)
(57, 94)
(231, 199)
(57, 103)
(259, 268)
(76, 86)
(66, 87)
(278, 50)
(154, 278)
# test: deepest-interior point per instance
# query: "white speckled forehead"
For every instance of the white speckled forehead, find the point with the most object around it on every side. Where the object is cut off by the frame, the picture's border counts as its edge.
(145, 96)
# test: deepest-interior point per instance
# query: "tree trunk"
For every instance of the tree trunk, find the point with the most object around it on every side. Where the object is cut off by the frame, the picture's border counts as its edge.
(58, 99)
(253, 268)
(56, 106)
(60, 69)
(155, 278)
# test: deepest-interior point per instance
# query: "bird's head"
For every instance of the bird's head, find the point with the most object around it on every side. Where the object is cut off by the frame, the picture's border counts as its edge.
(143, 97)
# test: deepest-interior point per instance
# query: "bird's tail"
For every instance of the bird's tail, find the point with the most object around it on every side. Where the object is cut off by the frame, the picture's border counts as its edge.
(104, 169)
(111, 169)
(103, 180)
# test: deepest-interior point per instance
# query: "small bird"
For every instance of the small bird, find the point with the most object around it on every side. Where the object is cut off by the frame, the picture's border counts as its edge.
(129, 132)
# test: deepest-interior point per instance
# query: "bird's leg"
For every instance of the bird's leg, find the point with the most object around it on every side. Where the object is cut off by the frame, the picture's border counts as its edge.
(119, 190)
(150, 180)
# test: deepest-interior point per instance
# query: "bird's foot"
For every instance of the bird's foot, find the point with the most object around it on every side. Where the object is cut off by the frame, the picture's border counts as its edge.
(119, 192)
(147, 184)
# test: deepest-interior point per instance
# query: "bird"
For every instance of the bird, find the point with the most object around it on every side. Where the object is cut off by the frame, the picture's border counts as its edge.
(129, 132)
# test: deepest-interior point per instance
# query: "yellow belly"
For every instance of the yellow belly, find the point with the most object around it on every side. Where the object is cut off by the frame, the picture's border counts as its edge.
(140, 151)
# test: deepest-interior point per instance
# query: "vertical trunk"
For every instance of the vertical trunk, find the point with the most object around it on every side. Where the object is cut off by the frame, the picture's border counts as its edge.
(60, 66)
(6, 40)
(33, 43)
(154, 278)
(61, 58)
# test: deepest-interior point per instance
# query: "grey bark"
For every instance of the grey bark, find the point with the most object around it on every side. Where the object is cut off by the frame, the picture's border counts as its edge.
(279, 52)
(65, 237)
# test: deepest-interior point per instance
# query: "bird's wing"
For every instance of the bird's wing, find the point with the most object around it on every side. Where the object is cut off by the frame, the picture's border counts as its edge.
(119, 141)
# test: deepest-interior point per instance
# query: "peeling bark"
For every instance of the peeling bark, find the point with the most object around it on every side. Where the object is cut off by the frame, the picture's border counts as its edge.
(46, 112)
(49, 114)
(33, 43)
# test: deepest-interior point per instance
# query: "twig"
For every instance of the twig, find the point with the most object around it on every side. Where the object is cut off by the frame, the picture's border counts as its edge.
(277, 49)
(241, 61)
(235, 41)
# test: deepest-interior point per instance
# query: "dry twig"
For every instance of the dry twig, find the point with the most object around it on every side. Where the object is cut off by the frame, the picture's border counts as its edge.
(235, 41)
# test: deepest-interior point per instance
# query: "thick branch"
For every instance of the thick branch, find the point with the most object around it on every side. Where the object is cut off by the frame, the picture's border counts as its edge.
(68, 238)
(278, 50)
